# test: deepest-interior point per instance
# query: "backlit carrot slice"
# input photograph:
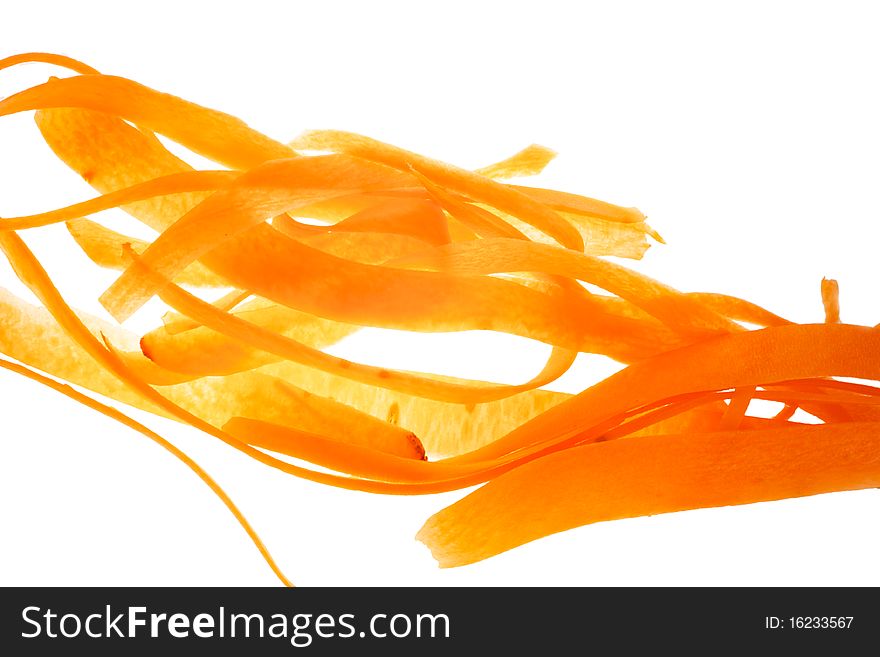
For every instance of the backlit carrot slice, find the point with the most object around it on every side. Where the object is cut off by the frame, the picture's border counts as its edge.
(217, 136)
(650, 475)
(530, 161)
(236, 328)
(104, 247)
(472, 185)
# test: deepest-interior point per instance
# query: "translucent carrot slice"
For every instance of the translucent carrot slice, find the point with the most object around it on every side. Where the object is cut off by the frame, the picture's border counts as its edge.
(423, 477)
(582, 205)
(480, 221)
(204, 352)
(236, 328)
(176, 183)
(530, 161)
(32, 274)
(413, 217)
(444, 429)
(613, 238)
(738, 309)
(175, 323)
(490, 256)
(650, 475)
(257, 195)
(112, 155)
(472, 185)
(49, 349)
(214, 399)
(215, 135)
(748, 358)
(48, 58)
(104, 247)
(291, 273)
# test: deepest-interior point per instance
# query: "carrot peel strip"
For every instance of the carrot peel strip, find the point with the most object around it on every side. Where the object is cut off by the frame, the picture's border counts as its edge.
(651, 475)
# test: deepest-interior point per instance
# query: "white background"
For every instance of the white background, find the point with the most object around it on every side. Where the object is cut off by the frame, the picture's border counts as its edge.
(747, 132)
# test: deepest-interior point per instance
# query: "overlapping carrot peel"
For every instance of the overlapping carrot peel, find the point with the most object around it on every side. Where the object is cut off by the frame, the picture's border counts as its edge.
(293, 251)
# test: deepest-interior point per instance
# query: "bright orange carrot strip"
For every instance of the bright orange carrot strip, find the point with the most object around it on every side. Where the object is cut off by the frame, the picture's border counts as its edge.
(743, 359)
(263, 192)
(120, 417)
(112, 154)
(48, 58)
(177, 183)
(203, 352)
(421, 477)
(482, 222)
(736, 410)
(650, 475)
(418, 220)
(785, 413)
(233, 327)
(472, 185)
(489, 256)
(212, 399)
(215, 135)
(31, 273)
(288, 271)
(414, 217)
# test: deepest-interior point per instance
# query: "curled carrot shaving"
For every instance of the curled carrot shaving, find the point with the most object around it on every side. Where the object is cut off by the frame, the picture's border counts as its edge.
(299, 250)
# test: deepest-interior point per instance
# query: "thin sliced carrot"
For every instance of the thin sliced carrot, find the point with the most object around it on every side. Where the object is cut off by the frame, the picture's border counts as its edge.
(480, 221)
(489, 256)
(213, 400)
(233, 327)
(47, 58)
(176, 183)
(112, 155)
(738, 309)
(204, 352)
(104, 247)
(257, 195)
(530, 161)
(31, 273)
(472, 185)
(114, 414)
(215, 135)
(581, 205)
(175, 323)
(414, 217)
(291, 273)
(743, 359)
(650, 475)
